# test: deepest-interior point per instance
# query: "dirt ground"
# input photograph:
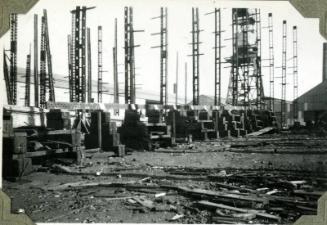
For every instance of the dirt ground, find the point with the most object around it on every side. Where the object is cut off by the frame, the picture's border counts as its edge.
(45, 197)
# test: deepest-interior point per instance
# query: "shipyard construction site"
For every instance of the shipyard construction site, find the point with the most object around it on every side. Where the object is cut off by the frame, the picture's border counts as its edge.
(247, 153)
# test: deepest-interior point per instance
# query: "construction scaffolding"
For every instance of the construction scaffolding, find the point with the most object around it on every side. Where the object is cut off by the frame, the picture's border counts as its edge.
(28, 81)
(100, 69)
(163, 54)
(295, 72)
(245, 85)
(217, 56)
(89, 67)
(78, 56)
(284, 68)
(271, 64)
(196, 55)
(13, 58)
(130, 87)
(46, 76)
(36, 65)
(7, 78)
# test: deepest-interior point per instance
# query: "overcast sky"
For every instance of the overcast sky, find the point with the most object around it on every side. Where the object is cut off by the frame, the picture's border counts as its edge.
(179, 37)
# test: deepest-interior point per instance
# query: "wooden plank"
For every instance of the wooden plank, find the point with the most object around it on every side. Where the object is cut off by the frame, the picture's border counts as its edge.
(222, 206)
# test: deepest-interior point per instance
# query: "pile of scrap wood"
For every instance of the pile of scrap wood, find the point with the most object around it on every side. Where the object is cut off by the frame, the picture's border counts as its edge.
(227, 196)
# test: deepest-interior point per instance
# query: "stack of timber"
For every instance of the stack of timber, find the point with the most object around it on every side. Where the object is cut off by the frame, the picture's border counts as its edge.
(133, 133)
(159, 132)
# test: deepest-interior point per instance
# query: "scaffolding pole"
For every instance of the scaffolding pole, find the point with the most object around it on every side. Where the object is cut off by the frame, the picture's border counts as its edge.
(89, 67)
(271, 64)
(295, 72)
(50, 79)
(36, 57)
(217, 33)
(28, 81)
(7, 78)
(43, 72)
(284, 67)
(100, 69)
(176, 82)
(195, 55)
(129, 46)
(70, 69)
(13, 57)
(115, 68)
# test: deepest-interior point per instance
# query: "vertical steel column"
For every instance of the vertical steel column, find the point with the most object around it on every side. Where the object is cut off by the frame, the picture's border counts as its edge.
(7, 78)
(70, 69)
(83, 56)
(28, 81)
(115, 67)
(295, 72)
(258, 74)
(163, 55)
(176, 82)
(89, 67)
(217, 47)
(126, 48)
(132, 58)
(77, 45)
(271, 64)
(43, 74)
(195, 54)
(50, 80)
(72, 59)
(284, 66)
(36, 74)
(13, 57)
(100, 64)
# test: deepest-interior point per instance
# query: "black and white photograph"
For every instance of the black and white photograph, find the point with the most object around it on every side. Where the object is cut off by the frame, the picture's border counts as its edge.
(182, 112)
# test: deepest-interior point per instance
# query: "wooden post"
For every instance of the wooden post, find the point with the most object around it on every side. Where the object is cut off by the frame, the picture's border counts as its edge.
(100, 130)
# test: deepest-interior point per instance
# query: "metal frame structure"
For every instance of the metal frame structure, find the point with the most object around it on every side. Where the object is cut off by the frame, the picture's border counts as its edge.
(115, 68)
(78, 54)
(284, 68)
(13, 57)
(176, 81)
(217, 47)
(100, 68)
(271, 64)
(195, 55)
(70, 69)
(28, 81)
(43, 72)
(7, 78)
(89, 67)
(36, 58)
(245, 87)
(46, 76)
(163, 54)
(130, 86)
(295, 71)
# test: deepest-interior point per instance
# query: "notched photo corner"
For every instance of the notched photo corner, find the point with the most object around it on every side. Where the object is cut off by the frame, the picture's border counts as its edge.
(118, 112)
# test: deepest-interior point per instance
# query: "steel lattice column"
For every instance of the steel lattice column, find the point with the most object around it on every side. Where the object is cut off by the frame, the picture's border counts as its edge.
(13, 57)
(28, 80)
(100, 64)
(271, 64)
(195, 54)
(284, 67)
(295, 72)
(217, 57)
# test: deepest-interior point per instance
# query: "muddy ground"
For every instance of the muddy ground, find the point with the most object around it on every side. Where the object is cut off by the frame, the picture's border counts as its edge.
(45, 197)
